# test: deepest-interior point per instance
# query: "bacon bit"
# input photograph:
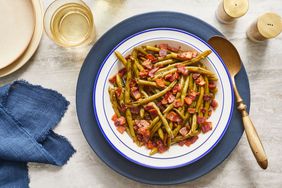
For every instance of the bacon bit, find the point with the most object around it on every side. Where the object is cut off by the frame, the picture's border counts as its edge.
(194, 54)
(151, 58)
(191, 110)
(142, 123)
(183, 131)
(201, 120)
(114, 117)
(177, 103)
(193, 94)
(200, 81)
(203, 110)
(163, 46)
(121, 129)
(162, 107)
(122, 108)
(161, 147)
(148, 107)
(181, 69)
(212, 85)
(176, 88)
(135, 93)
(144, 73)
(160, 82)
(171, 77)
(190, 141)
(113, 79)
(207, 97)
(196, 76)
(172, 116)
(206, 127)
(209, 112)
(188, 100)
(170, 98)
(153, 113)
(153, 71)
(122, 72)
(147, 63)
(150, 144)
(181, 143)
(173, 49)
(185, 55)
(135, 110)
(162, 53)
(120, 121)
(118, 91)
(214, 104)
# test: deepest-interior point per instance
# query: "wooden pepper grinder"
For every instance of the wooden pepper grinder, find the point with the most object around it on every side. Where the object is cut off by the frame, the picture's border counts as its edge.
(229, 10)
(267, 26)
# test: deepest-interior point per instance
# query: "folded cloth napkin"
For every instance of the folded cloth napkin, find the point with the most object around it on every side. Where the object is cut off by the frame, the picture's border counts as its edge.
(28, 114)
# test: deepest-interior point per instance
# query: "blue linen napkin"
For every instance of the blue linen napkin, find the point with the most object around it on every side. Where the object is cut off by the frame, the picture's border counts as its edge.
(28, 114)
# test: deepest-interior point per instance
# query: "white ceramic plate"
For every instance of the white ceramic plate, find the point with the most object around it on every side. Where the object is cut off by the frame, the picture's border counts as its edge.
(176, 156)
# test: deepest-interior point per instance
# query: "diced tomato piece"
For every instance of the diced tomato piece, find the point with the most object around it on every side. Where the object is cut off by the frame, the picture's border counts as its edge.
(185, 55)
(121, 129)
(160, 82)
(177, 103)
(120, 121)
(188, 100)
(153, 71)
(191, 110)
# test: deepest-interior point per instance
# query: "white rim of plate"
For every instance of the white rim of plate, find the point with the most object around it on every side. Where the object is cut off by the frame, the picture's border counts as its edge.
(176, 156)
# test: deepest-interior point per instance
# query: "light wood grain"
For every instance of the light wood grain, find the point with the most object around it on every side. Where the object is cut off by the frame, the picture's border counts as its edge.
(58, 68)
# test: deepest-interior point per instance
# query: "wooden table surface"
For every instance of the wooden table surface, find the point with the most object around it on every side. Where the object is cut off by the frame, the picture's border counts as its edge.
(58, 68)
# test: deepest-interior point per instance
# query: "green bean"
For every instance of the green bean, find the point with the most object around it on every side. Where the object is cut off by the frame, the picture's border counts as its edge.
(170, 124)
(200, 99)
(191, 80)
(146, 83)
(142, 113)
(166, 68)
(161, 133)
(200, 70)
(141, 50)
(168, 56)
(155, 128)
(135, 70)
(184, 90)
(181, 138)
(179, 113)
(164, 62)
(168, 141)
(207, 92)
(162, 74)
(194, 125)
(152, 48)
(155, 96)
(114, 101)
(130, 123)
(121, 58)
(127, 84)
(153, 151)
(198, 58)
(176, 130)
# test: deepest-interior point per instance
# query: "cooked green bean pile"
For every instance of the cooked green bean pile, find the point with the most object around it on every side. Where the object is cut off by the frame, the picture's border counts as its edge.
(163, 96)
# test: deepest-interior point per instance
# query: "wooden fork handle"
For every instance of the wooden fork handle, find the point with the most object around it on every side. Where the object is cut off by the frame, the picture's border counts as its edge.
(253, 137)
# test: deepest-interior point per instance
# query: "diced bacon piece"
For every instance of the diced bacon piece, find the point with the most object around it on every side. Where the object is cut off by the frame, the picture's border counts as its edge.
(149, 107)
(214, 104)
(171, 77)
(151, 58)
(160, 82)
(207, 97)
(209, 112)
(150, 144)
(122, 72)
(172, 116)
(173, 49)
(144, 73)
(122, 108)
(161, 106)
(121, 129)
(113, 79)
(135, 93)
(170, 98)
(161, 147)
(162, 53)
(196, 76)
(147, 63)
(153, 112)
(190, 141)
(153, 71)
(201, 120)
(120, 121)
(118, 91)
(181, 143)
(183, 131)
(206, 127)
(194, 54)
(200, 81)
(191, 110)
(163, 46)
(193, 94)
(203, 110)
(135, 110)
(133, 83)
(114, 117)
(176, 88)
(185, 55)
(212, 85)
(188, 100)
(142, 123)
(177, 103)
(181, 69)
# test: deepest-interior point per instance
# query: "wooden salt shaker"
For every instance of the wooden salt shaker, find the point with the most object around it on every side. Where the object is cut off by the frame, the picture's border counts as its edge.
(229, 10)
(267, 26)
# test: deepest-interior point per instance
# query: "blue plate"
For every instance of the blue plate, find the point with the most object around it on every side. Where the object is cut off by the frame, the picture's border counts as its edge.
(89, 125)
